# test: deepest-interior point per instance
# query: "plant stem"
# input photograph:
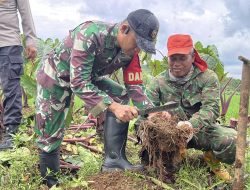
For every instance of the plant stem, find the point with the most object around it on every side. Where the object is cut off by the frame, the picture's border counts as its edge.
(67, 165)
(92, 149)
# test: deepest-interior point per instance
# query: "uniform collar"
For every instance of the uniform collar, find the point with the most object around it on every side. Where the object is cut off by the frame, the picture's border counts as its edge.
(196, 71)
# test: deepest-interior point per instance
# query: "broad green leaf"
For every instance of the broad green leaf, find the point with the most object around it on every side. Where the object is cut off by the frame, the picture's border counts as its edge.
(198, 46)
(210, 54)
(211, 61)
(16, 154)
(24, 137)
(29, 85)
(213, 49)
(156, 67)
(219, 70)
(74, 159)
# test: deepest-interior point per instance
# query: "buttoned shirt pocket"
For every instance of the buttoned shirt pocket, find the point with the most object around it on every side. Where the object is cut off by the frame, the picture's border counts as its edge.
(195, 99)
(191, 104)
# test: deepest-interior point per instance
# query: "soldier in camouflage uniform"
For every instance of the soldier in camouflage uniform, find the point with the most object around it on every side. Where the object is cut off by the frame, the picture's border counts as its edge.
(190, 82)
(79, 65)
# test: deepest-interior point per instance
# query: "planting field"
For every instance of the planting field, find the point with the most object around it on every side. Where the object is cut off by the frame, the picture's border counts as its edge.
(82, 148)
(233, 111)
(19, 168)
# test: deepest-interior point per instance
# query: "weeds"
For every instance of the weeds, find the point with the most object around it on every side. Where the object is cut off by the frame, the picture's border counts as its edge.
(19, 168)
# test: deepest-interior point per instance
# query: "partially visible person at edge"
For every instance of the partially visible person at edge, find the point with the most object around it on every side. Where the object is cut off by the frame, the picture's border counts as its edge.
(79, 65)
(11, 62)
(189, 82)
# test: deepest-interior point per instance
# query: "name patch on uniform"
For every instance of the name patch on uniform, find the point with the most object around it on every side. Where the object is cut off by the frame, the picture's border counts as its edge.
(137, 76)
(132, 74)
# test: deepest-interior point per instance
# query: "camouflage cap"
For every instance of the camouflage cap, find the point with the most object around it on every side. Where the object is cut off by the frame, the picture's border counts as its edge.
(146, 26)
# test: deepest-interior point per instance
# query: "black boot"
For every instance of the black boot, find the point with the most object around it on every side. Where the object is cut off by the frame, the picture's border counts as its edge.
(50, 161)
(115, 138)
(7, 141)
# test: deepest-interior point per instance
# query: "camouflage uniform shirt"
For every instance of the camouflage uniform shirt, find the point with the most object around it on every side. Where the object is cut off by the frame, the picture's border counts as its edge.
(89, 52)
(198, 97)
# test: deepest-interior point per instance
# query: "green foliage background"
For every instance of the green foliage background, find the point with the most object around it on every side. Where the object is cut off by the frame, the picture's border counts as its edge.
(19, 168)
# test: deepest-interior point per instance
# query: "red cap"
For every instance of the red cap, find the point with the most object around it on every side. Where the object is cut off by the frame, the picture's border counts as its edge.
(183, 44)
(179, 44)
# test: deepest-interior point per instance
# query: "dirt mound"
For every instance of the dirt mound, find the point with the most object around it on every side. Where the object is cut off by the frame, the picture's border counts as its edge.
(120, 180)
(164, 142)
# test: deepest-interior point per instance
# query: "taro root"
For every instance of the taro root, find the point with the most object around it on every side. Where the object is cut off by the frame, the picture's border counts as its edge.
(164, 143)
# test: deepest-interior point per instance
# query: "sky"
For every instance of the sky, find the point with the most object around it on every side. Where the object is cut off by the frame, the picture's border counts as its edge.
(224, 23)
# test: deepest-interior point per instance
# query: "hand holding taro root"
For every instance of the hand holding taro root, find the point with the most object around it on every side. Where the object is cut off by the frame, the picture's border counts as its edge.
(165, 137)
(183, 129)
(182, 124)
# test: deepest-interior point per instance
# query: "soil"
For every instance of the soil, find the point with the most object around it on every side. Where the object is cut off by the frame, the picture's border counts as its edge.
(165, 144)
(120, 180)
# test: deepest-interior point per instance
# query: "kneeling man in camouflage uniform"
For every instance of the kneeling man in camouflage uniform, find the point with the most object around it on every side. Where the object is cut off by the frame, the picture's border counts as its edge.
(189, 82)
(79, 65)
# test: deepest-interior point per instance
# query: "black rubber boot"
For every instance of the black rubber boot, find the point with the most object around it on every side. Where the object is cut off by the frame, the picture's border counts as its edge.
(115, 139)
(50, 161)
(7, 141)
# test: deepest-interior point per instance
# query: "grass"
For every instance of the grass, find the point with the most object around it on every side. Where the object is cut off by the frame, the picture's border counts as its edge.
(233, 110)
(21, 170)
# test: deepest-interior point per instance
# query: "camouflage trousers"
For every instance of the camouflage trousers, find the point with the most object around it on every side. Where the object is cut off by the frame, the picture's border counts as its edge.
(52, 106)
(220, 140)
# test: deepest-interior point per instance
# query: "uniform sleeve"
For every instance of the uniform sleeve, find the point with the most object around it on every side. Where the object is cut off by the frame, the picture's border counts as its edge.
(27, 21)
(82, 58)
(132, 75)
(210, 99)
(153, 92)
(138, 97)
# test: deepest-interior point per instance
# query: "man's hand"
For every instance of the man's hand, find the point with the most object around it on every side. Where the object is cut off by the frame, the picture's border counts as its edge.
(31, 52)
(181, 124)
(164, 114)
(124, 113)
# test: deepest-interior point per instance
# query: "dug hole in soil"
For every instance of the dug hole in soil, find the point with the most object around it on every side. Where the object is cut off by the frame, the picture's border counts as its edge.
(120, 181)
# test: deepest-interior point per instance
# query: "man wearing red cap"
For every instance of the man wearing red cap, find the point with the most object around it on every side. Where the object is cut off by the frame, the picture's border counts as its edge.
(189, 81)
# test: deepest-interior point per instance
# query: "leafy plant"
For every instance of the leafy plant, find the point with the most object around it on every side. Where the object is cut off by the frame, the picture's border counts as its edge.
(19, 170)
(225, 102)
(28, 80)
(21, 173)
(211, 56)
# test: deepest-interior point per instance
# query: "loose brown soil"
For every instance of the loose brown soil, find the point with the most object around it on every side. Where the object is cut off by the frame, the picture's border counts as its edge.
(120, 180)
(165, 143)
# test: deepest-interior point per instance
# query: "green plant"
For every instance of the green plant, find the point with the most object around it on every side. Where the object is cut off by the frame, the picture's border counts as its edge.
(196, 177)
(28, 80)
(225, 102)
(211, 56)
(22, 172)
